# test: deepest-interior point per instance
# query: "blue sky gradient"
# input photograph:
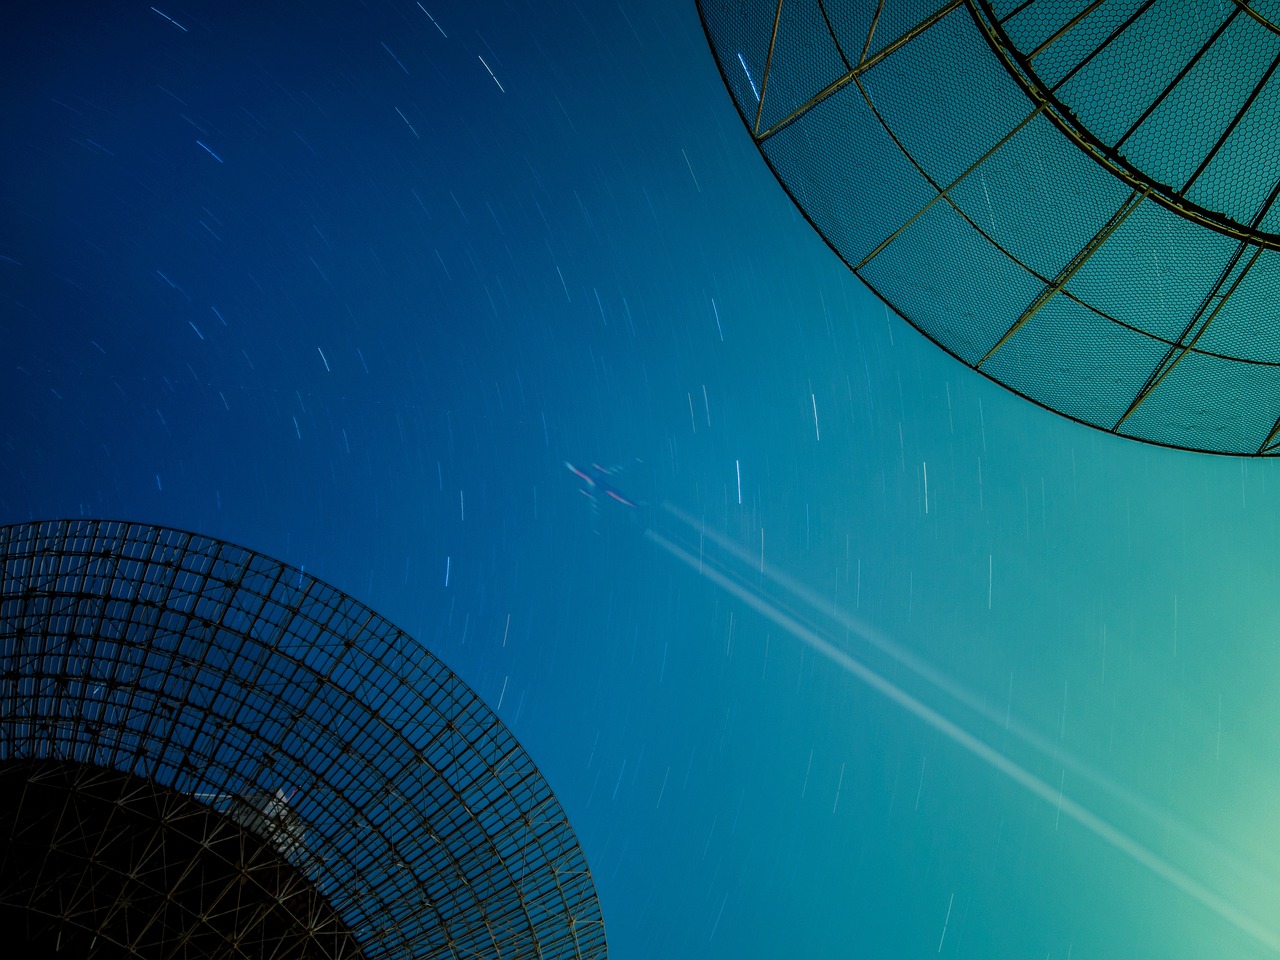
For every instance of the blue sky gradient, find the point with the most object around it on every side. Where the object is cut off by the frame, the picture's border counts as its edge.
(347, 284)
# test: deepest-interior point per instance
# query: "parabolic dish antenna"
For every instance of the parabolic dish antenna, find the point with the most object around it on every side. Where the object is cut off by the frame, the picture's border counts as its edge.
(1077, 199)
(206, 752)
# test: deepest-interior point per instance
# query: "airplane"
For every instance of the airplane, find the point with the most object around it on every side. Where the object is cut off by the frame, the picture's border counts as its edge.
(597, 483)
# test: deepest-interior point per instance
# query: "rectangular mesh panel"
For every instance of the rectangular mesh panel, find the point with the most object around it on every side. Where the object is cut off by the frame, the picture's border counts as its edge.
(735, 28)
(806, 58)
(954, 285)
(1072, 360)
(851, 20)
(1038, 177)
(1027, 30)
(1153, 271)
(946, 118)
(1248, 325)
(1213, 92)
(1068, 51)
(1245, 168)
(847, 174)
(1220, 404)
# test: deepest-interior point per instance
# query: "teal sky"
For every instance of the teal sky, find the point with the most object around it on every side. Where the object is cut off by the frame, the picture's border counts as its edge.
(347, 283)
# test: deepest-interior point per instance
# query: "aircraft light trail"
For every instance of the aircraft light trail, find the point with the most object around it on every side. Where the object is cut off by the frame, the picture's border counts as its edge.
(1055, 797)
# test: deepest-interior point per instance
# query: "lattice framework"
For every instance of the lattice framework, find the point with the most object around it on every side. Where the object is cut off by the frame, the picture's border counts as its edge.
(226, 676)
(1075, 197)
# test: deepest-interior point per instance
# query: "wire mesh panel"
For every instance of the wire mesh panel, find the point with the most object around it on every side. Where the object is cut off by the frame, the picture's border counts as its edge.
(96, 863)
(236, 683)
(1077, 198)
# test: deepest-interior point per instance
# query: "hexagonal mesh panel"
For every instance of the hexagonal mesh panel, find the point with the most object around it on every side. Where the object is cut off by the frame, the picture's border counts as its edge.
(1078, 198)
(325, 744)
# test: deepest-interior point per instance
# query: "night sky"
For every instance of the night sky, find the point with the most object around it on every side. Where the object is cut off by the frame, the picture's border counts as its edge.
(885, 661)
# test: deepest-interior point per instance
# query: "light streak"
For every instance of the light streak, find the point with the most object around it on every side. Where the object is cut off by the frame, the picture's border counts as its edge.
(433, 20)
(208, 151)
(1055, 797)
(495, 79)
(170, 19)
(742, 60)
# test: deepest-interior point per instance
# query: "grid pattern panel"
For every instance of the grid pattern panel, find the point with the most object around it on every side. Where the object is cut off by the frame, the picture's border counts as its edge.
(980, 162)
(848, 208)
(95, 863)
(227, 676)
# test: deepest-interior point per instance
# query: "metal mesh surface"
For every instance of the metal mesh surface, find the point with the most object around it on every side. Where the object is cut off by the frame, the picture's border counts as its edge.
(100, 865)
(230, 678)
(1077, 198)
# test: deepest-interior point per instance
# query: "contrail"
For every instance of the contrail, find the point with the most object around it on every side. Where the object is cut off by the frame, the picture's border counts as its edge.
(808, 599)
(973, 745)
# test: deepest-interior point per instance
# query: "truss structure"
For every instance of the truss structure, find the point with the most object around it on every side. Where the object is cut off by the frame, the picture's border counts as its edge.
(1078, 198)
(205, 752)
